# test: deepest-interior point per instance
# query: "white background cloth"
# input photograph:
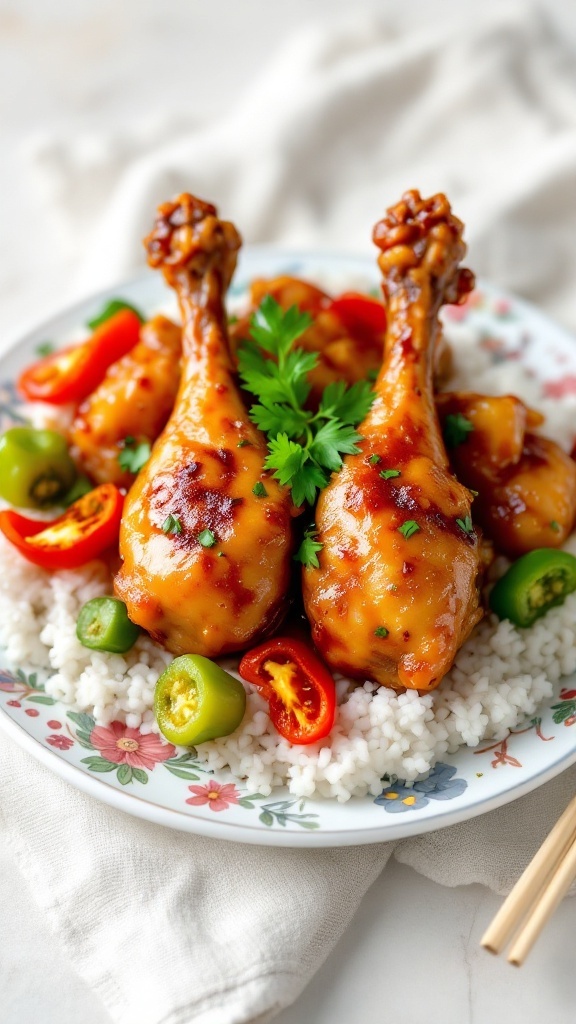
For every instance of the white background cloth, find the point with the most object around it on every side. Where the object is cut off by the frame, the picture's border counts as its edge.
(171, 928)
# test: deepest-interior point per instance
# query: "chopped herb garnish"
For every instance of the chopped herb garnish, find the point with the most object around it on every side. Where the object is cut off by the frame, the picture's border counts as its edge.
(221, 554)
(242, 444)
(46, 348)
(473, 493)
(456, 429)
(110, 309)
(555, 526)
(408, 528)
(259, 490)
(466, 524)
(307, 553)
(381, 631)
(133, 456)
(389, 474)
(207, 539)
(304, 447)
(375, 459)
(232, 319)
(172, 525)
(371, 375)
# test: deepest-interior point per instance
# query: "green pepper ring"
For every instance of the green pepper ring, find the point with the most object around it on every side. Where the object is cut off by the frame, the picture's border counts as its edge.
(36, 470)
(538, 581)
(103, 625)
(195, 700)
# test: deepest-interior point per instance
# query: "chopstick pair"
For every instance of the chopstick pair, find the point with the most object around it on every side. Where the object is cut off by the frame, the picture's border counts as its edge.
(537, 892)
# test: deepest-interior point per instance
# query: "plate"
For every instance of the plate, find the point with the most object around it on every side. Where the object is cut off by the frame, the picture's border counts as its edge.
(134, 774)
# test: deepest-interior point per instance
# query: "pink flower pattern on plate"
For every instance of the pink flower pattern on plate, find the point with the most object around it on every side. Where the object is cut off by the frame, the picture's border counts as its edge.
(60, 742)
(122, 745)
(217, 795)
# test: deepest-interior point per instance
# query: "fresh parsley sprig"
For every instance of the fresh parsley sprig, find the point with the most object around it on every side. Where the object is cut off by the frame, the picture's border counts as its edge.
(304, 447)
(133, 456)
(307, 553)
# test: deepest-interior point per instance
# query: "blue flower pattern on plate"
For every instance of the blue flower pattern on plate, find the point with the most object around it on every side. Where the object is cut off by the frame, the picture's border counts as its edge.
(440, 785)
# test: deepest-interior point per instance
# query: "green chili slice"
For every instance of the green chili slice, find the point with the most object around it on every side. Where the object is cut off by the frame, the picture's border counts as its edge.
(535, 583)
(36, 470)
(103, 625)
(195, 700)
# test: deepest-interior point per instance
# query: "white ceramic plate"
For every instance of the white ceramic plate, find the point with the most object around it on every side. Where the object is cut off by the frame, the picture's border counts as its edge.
(140, 776)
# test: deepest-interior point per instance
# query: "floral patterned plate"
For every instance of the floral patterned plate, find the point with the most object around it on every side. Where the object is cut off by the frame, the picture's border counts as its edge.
(138, 774)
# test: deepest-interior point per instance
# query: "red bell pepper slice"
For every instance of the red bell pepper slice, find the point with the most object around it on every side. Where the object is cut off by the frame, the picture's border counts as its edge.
(361, 315)
(297, 686)
(72, 373)
(84, 531)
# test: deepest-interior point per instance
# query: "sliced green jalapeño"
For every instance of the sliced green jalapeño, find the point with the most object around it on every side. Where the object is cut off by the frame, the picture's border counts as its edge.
(535, 583)
(195, 700)
(36, 470)
(103, 625)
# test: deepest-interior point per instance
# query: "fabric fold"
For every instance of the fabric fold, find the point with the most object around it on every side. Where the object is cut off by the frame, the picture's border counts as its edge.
(170, 928)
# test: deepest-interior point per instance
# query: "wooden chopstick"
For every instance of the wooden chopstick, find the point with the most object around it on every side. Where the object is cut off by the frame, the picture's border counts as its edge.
(544, 907)
(541, 870)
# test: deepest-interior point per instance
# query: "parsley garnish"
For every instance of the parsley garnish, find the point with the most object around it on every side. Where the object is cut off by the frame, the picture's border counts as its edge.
(372, 375)
(45, 348)
(172, 525)
(374, 460)
(259, 490)
(307, 553)
(242, 444)
(456, 429)
(133, 458)
(206, 538)
(408, 528)
(381, 631)
(110, 309)
(465, 524)
(389, 474)
(303, 447)
(555, 526)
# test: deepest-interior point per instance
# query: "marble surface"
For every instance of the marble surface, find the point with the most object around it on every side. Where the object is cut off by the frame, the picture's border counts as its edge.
(411, 955)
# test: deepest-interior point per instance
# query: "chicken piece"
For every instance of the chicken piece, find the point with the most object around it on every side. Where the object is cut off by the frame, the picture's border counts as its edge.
(397, 590)
(526, 484)
(206, 537)
(342, 355)
(134, 400)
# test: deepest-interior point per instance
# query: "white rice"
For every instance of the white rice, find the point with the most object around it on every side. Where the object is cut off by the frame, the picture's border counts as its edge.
(500, 676)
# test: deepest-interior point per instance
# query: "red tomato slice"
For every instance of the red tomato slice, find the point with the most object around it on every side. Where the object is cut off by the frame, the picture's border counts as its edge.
(87, 528)
(297, 686)
(71, 374)
(360, 314)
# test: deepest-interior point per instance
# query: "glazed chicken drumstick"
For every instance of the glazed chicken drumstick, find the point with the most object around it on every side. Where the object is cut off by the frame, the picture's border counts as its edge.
(206, 534)
(396, 593)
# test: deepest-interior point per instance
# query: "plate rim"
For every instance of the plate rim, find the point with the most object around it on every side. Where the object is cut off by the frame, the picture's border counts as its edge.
(187, 821)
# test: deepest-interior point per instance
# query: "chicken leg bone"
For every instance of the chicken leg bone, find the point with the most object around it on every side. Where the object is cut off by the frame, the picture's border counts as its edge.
(397, 593)
(206, 535)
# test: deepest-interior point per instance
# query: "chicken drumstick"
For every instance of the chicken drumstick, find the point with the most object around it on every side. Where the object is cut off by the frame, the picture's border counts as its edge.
(206, 533)
(396, 593)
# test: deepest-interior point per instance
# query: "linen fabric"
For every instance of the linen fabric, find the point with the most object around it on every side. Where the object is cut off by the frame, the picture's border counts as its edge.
(343, 120)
